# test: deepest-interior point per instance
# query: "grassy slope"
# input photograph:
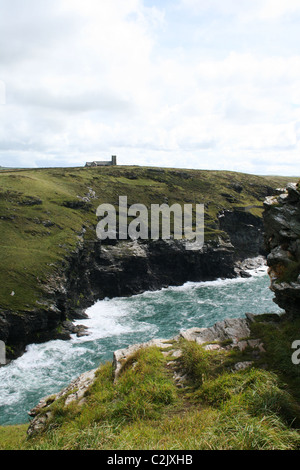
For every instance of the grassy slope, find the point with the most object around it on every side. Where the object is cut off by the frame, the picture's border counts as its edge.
(253, 409)
(38, 229)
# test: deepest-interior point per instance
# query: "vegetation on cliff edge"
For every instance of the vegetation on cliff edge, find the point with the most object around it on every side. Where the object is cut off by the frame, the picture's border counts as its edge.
(216, 408)
(46, 213)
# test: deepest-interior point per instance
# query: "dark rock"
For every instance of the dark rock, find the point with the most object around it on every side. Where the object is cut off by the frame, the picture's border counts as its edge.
(245, 231)
(236, 187)
(129, 268)
(78, 204)
(96, 270)
(293, 193)
(18, 329)
(245, 274)
(229, 197)
(48, 223)
(30, 201)
(282, 241)
(69, 328)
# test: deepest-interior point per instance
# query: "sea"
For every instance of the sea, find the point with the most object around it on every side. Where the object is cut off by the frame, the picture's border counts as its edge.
(114, 323)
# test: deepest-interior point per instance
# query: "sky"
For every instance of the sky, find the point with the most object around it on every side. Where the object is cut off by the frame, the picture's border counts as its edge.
(204, 84)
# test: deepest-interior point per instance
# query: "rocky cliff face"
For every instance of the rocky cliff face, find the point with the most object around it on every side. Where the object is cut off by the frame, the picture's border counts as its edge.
(128, 268)
(246, 232)
(222, 336)
(282, 239)
(97, 270)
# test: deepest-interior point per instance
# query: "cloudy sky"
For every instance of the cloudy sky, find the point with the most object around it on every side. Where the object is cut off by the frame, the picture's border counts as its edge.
(207, 84)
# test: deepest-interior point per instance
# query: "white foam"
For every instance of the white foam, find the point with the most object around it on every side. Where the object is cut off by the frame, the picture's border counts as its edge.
(108, 318)
(46, 368)
(35, 367)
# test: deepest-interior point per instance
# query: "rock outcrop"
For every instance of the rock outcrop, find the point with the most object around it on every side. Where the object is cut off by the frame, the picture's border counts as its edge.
(246, 232)
(123, 268)
(96, 270)
(282, 239)
(227, 334)
(74, 392)
(128, 268)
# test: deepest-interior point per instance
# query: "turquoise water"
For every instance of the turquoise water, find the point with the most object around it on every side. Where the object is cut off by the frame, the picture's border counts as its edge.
(115, 323)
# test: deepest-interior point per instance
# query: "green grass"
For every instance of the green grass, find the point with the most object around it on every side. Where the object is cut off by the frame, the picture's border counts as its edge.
(41, 221)
(41, 216)
(279, 337)
(252, 409)
(13, 437)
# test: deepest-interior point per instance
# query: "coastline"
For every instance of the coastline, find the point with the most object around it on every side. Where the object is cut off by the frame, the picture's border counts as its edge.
(66, 347)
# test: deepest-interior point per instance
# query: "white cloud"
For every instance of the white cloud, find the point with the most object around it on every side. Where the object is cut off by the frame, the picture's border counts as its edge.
(92, 79)
(274, 9)
(244, 9)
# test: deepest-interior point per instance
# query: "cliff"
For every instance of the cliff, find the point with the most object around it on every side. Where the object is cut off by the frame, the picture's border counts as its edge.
(223, 336)
(232, 386)
(95, 271)
(53, 266)
(282, 239)
(231, 361)
(222, 387)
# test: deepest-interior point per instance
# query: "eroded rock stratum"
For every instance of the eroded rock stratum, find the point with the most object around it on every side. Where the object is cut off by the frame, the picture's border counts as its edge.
(282, 238)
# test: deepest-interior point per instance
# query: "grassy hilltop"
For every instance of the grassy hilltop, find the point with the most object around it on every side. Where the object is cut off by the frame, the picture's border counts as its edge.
(42, 213)
(42, 216)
